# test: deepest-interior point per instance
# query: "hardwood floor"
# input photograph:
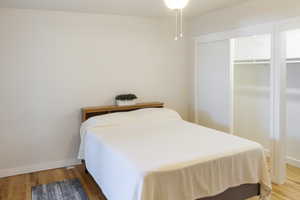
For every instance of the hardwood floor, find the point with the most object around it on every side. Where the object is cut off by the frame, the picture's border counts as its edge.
(19, 187)
(290, 190)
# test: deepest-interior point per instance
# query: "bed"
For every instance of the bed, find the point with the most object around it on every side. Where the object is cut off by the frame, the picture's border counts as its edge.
(147, 152)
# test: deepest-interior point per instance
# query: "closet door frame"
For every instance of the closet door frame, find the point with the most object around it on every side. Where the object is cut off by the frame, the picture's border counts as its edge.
(277, 86)
(280, 87)
(278, 106)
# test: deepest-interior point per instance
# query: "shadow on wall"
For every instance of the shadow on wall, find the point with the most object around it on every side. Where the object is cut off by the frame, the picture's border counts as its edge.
(205, 119)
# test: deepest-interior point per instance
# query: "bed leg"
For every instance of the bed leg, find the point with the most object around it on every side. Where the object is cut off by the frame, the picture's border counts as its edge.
(259, 192)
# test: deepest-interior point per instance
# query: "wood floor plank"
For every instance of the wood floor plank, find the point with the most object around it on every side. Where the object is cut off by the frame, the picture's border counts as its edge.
(19, 187)
(4, 182)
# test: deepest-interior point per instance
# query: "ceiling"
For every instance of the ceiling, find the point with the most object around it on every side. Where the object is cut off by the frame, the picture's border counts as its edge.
(149, 8)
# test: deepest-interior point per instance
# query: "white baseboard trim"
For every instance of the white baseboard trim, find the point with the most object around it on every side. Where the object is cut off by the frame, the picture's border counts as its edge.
(37, 167)
(289, 160)
(292, 161)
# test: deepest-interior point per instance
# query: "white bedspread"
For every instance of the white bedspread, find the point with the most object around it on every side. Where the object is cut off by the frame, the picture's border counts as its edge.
(169, 159)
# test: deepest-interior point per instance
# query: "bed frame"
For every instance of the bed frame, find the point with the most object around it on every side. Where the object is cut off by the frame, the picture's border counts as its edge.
(241, 192)
(88, 112)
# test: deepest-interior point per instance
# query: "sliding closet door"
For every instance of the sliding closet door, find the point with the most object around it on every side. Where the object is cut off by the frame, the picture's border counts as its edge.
(213, 85)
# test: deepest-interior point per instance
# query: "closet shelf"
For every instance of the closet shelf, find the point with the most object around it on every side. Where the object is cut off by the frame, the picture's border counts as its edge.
(252, 89)
(289, 91)
(252, 62)
(264, 61)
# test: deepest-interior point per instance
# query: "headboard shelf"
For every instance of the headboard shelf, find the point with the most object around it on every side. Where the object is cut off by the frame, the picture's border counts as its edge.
(88, 112)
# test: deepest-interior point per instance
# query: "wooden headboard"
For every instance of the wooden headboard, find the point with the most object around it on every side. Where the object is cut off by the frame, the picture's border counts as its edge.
(88, 112)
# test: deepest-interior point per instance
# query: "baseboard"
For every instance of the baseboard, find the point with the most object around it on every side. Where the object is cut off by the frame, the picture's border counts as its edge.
(37, 167)
(292, 161)
(289, 160)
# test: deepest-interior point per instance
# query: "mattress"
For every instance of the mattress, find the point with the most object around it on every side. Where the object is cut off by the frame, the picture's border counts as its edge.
(155, 155)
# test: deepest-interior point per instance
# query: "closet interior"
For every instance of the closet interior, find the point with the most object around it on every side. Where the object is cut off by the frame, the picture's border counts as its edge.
(293, 97)
(251, 83)
(251, 91)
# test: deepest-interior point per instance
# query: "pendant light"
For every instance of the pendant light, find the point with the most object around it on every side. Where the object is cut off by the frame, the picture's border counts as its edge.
(177, 6)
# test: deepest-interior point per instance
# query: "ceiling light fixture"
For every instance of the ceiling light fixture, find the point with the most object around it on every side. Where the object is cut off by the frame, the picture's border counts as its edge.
(177, 6)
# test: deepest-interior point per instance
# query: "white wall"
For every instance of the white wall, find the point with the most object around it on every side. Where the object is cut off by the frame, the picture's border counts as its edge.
(54, 63)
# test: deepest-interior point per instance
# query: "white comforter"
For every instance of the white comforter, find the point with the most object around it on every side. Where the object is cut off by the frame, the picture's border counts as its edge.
(155, 155)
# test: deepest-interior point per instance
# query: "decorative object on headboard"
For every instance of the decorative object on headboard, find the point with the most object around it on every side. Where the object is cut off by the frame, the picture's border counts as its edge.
(126, 99)
(88, 112)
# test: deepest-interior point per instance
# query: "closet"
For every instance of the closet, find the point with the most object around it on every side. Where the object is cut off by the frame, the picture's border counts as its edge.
(293, 97)
(247, 83)
(252, 100)
(251, 88)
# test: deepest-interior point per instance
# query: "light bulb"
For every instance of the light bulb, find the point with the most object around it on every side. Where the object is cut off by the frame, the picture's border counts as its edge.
(176, 4)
